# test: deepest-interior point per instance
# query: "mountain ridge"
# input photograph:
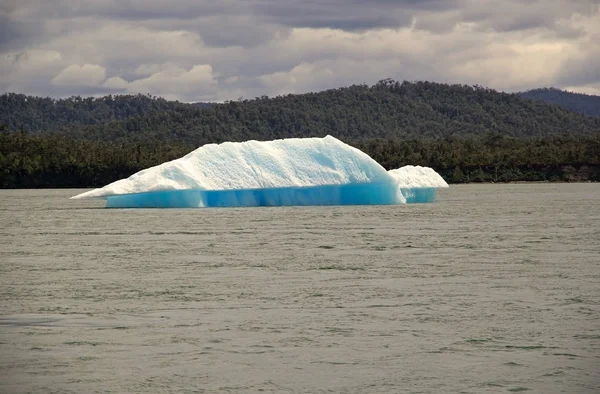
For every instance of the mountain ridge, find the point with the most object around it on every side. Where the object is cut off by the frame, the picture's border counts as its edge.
(586, 104)
(388, 109)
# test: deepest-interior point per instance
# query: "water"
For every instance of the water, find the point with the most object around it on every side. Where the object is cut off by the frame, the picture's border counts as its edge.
(493, 288)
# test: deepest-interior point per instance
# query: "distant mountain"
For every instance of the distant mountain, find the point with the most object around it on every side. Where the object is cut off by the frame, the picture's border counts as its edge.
(583, 103)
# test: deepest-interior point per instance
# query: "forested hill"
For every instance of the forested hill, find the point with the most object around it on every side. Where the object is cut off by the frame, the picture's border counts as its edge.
(578, 102)
(388, 110)
(466, 133)
(43, 114)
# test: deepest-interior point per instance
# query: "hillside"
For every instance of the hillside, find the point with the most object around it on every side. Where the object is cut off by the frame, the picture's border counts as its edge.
(388, 109)
(466, 133)
(43, 114)
(583, 103)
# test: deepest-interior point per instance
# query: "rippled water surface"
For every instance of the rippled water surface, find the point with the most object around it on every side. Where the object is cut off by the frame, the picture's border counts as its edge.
(492, 288)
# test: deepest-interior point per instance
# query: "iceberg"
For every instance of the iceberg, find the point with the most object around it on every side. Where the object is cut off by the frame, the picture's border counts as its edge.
(293, 171)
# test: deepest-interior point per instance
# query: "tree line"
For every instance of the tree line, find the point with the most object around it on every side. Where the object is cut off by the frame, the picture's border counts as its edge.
(466, 133)
(37, 160)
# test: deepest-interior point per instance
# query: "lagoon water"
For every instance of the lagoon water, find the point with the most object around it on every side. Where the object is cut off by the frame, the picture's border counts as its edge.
(492, 288)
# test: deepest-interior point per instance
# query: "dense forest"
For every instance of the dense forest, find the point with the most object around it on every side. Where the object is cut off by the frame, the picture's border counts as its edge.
(467, 133)
(39, 114)
(388, 109)
(583, 103)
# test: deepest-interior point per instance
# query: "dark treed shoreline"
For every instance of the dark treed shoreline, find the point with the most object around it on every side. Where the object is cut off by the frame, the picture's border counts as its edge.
(467, 134)
(60, 162)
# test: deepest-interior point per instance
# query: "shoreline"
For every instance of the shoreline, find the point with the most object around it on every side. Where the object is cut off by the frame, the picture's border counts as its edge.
(450, 184)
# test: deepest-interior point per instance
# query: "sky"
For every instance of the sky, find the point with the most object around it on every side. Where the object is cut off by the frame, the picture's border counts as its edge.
(205, 50)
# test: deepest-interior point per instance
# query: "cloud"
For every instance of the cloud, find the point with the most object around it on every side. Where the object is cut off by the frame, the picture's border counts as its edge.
(29, 71)
(116, 83)
(581, 70)
(213, 50)
(84, 75)
(195, 84)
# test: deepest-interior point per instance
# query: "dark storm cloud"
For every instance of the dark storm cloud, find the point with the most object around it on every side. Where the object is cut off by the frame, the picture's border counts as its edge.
(350, 14)
(415, 4)
(217, 31)
(12, 34)
(347, 14)
(16, 33)
(125, 9)
(335, 15)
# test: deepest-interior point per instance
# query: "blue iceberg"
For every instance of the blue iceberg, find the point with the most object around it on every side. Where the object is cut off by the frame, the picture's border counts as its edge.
(295, 171)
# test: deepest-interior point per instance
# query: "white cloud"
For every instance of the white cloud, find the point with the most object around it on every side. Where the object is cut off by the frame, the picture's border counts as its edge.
(196, 84)
(117, 83)
(80, 75)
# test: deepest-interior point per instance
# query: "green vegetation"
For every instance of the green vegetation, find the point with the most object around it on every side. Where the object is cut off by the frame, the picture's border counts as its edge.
(583, 103)
(467, 134)
(44, 114)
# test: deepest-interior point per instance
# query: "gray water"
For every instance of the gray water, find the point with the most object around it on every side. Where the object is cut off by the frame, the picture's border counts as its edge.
(492, 288)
